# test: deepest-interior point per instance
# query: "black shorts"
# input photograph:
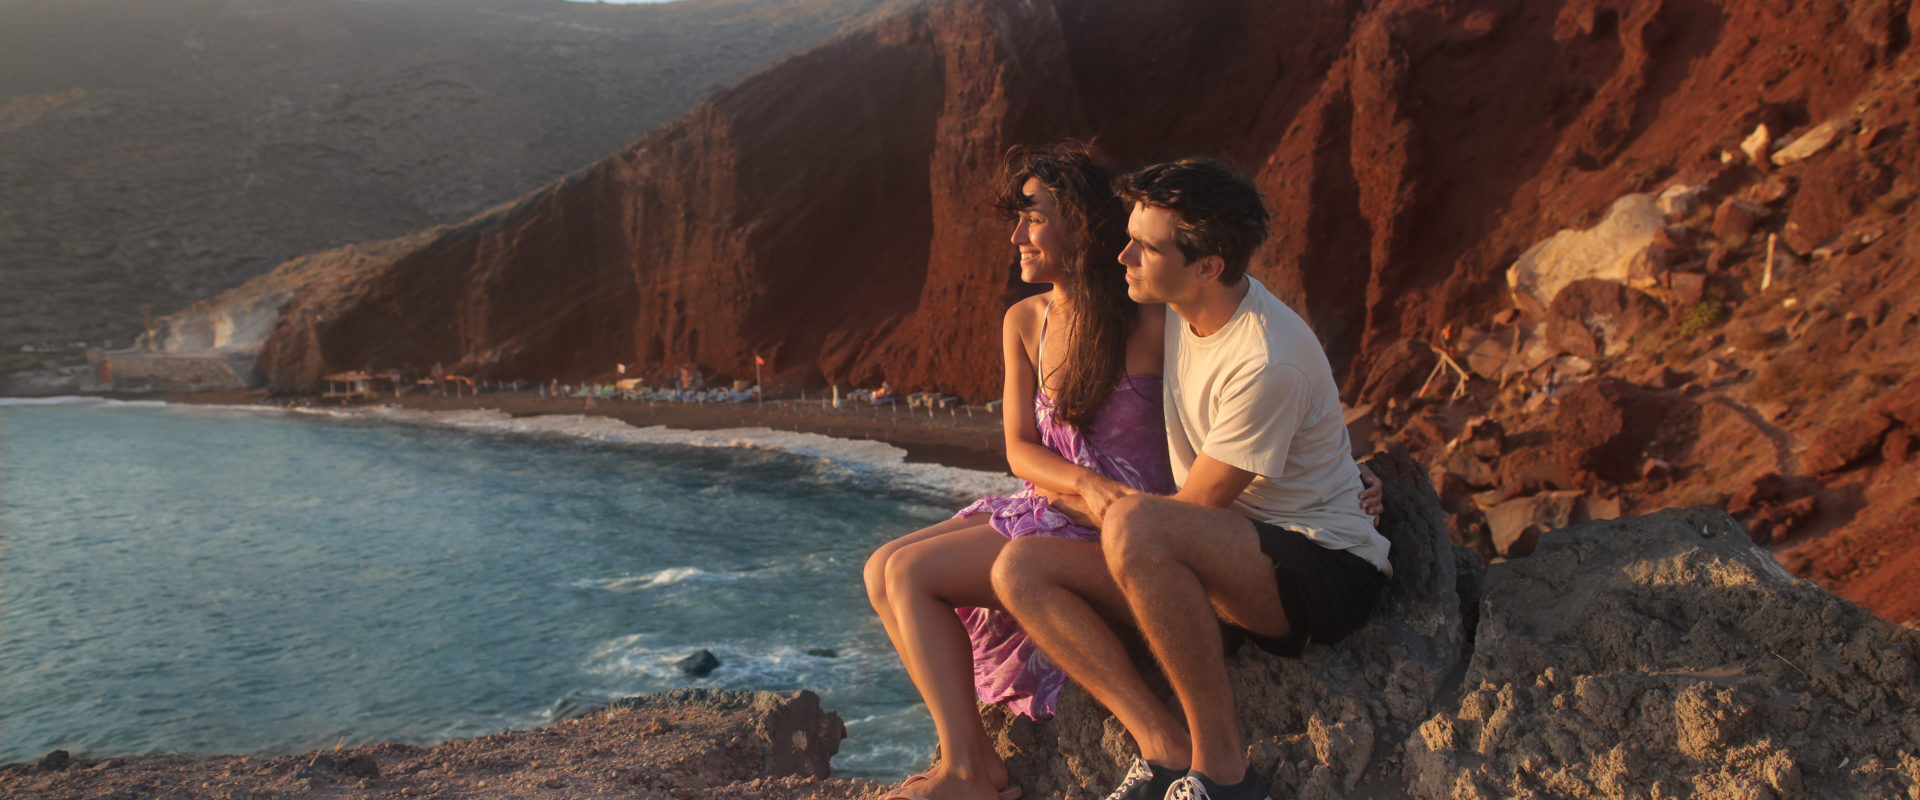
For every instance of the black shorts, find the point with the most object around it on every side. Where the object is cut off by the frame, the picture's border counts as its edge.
(1326, 593)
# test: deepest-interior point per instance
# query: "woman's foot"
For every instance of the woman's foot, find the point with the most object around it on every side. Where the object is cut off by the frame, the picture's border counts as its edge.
(937, 784)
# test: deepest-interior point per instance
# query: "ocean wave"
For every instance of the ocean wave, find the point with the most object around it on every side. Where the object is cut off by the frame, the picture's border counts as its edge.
(665, 577)
(79, 400)
(856, 459)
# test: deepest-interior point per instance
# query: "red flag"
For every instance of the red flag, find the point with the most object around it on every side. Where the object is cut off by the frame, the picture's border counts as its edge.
(758, 361)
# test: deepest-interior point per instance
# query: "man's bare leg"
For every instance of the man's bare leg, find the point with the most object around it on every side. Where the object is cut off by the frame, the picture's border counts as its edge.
(1180, 566)
(1059, 590)
(925, 581)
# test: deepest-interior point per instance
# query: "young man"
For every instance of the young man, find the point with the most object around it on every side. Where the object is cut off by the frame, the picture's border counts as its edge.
(1266, 533)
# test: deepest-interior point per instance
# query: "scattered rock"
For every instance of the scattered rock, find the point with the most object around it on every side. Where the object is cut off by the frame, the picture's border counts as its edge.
(823, 652)
(1734, 221)
(55, 761)
(1680, 200)
(1515, 526)
(1845, 443)
(1772, 190)
(700, 664)
(1812, 141)
(1689, 288)
(1756, 145)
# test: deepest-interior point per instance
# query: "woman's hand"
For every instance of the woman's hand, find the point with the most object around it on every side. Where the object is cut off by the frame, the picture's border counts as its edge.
(1372, 497)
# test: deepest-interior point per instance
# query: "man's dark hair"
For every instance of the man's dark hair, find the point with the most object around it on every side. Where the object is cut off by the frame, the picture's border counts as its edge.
(1217, 211)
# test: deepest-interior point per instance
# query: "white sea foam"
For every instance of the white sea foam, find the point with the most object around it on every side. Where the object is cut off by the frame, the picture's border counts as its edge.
(653, 580)
(654, 659)
(860, 459)
(78, 400)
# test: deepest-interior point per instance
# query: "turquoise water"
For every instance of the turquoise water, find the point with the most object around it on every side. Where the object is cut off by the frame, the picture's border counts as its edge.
(190, 579)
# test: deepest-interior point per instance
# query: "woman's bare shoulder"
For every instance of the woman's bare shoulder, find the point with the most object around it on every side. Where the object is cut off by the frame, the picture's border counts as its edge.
(1026, 313)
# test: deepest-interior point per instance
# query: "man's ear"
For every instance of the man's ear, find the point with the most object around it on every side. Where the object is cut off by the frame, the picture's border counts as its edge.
(1209, 268)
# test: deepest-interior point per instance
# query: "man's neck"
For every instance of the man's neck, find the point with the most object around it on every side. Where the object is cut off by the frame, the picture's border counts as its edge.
(1206, 314)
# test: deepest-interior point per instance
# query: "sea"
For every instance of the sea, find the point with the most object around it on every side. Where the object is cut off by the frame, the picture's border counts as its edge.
(195, 579)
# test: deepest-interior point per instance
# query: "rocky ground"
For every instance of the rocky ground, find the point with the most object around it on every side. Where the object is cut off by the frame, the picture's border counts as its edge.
(684, 744)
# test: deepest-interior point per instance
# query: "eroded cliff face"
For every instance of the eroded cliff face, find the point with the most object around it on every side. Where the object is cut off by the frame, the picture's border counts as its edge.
(830, 213)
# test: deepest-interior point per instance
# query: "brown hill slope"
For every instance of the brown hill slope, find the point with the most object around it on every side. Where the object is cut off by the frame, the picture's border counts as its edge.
(155, 152)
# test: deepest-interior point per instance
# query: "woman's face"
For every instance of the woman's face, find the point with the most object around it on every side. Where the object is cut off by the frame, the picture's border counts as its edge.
(1041, 236)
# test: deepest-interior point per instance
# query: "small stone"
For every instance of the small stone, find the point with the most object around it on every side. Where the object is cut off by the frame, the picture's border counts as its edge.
(1772, 190)
(554, 783)
(823, 652)
(1756, 145)
(1688, 288)
(55, 761)
(1812, 142)
(1734, 220)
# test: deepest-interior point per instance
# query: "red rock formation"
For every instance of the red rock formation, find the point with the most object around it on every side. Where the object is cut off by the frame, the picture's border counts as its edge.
(829, 213)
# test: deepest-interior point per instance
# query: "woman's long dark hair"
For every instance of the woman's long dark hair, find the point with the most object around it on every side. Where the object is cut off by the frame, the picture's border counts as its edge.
(1096, 222)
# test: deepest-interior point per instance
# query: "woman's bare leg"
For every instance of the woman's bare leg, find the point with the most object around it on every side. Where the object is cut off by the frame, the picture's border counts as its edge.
(875, 572)
(925, 581)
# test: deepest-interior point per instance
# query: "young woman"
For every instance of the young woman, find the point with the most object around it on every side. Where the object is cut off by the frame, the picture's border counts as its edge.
(1082, 409)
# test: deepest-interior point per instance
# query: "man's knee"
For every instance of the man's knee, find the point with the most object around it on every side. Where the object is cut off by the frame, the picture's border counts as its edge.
(1134, 533)
(1017, 570)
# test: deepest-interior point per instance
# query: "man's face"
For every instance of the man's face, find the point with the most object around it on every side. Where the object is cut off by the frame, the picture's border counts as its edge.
(1157, 272)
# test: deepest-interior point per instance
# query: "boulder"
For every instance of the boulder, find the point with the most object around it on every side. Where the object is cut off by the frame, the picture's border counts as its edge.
(1756, 145)
(700, 664)
(1605, 425)
(1604, 251)
(1591, 318)
(1314, 724)
(1667, 656)
(1845, 442)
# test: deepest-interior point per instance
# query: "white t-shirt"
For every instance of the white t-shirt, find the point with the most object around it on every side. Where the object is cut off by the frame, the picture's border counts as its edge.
(1258, 394)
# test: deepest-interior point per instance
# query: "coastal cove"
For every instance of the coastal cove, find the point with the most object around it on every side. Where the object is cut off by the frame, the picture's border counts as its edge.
(261, 580)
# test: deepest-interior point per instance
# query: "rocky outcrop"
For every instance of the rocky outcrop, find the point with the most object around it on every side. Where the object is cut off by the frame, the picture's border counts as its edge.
(1317, 725)
(1655, 656)
(1667, 656)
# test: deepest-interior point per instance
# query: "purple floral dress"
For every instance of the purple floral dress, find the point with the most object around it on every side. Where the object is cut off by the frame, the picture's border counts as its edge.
(1127, 442)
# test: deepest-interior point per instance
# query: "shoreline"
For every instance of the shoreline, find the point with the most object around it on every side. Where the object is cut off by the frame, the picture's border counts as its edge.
(960, 438)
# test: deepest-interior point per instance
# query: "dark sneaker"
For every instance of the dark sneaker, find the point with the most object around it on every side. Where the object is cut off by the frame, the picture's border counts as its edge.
(1145, 781)
(1196, 786)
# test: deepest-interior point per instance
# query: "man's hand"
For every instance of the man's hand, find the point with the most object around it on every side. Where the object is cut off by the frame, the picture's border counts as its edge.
(1071, 505)
(1372, 497)
(1097, 492)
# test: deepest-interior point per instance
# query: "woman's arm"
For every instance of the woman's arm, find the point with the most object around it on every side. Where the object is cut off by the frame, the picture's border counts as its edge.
(1026, 456)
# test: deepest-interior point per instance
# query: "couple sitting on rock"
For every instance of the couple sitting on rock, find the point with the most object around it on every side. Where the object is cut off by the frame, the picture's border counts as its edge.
(1188, 476)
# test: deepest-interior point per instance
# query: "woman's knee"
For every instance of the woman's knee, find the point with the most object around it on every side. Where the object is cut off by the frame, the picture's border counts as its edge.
(875, 572)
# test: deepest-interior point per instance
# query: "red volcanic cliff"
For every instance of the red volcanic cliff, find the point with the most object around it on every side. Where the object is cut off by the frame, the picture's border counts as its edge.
(829, 213)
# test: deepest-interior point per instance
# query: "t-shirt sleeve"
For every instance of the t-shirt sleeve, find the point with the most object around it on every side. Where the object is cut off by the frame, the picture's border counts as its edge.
(1255, 417)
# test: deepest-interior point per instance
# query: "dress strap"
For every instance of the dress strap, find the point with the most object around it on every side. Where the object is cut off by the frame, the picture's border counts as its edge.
(1040, 351)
